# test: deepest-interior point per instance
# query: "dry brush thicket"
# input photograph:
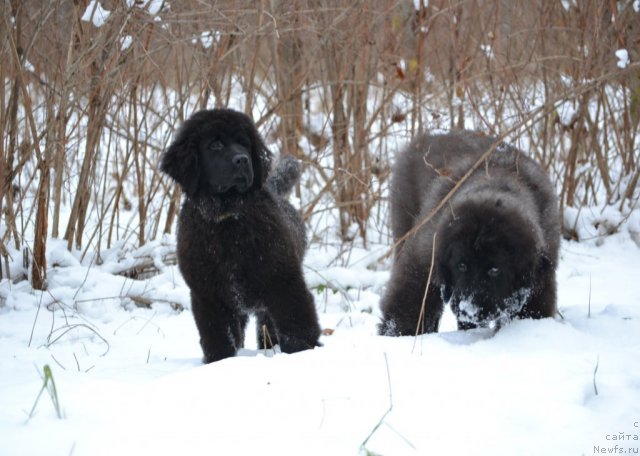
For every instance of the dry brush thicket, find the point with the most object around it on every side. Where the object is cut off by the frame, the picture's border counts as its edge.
(86, 110)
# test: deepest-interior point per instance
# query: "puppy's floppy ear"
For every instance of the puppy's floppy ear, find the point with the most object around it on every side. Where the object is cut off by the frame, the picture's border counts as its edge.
(180, 160)
(442, 278)
(259, 153)
(264, 160)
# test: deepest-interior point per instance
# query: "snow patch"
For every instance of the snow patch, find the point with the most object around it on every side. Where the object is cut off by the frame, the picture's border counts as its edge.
(418, 3)
(95, 14)
(595, 224)
(152, 6)
(469, 311)
(328, 399)
(623, 58)
(126, 42)
(207, 39)
(488, 50)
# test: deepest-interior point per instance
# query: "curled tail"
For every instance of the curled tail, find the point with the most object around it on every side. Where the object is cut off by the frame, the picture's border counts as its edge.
(280, 183)
(286, 174)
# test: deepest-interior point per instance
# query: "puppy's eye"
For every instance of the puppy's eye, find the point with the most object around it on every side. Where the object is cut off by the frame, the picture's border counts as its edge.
(216, 145)
(462, 267)
(244, 142)
(493, 272)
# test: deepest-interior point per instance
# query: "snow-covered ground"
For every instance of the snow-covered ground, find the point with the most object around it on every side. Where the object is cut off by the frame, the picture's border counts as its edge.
(129, 380)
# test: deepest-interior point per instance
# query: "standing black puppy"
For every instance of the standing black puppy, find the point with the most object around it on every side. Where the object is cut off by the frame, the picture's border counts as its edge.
(496, 239)
(240, 244)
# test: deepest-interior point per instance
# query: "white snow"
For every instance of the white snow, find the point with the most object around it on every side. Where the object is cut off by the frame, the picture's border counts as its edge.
(153, 6)
(623, 58)
(468, 311)
(126, 42)
(95, 14)
(488, 50)
(418, 3)
(207, 39)
(130, 380)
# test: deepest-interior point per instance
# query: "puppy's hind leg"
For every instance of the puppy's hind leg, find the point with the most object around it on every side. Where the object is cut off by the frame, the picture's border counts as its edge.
(219, 329)
(293, 314)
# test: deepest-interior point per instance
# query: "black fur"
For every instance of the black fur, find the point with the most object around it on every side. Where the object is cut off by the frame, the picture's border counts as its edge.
(496, 243)
(240, 244)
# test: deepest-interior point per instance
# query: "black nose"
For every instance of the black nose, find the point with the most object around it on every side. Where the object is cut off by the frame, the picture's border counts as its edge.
(240, 160)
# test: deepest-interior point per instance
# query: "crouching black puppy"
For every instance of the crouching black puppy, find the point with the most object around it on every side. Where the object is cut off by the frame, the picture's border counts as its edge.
(496, 243)
(240, 243)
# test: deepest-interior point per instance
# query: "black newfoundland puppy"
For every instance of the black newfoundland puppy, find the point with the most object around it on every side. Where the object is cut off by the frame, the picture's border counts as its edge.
(496, 239)
(240, 243)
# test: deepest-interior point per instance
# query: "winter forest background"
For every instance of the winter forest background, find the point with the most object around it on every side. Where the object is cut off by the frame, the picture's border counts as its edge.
(92, 92)
(91, 97)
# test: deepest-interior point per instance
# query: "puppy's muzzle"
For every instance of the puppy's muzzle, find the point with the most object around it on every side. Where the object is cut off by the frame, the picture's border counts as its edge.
(242, 171)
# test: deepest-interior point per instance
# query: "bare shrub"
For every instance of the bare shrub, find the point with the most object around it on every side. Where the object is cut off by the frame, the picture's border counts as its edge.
(87, 108)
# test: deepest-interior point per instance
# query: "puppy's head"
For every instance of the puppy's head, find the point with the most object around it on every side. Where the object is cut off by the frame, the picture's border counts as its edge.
(487, 261)
(217, 152)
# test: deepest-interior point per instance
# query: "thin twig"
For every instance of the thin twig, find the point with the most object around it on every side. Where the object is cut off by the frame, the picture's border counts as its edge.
(420, 324)
(363, 445)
